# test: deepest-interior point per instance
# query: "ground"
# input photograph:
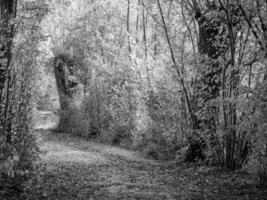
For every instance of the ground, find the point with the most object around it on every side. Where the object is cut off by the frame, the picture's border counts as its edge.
(74, 168)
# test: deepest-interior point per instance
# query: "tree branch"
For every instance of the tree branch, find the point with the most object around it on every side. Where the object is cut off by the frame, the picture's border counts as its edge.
(182, 82)
(250, 25)
(197, 9)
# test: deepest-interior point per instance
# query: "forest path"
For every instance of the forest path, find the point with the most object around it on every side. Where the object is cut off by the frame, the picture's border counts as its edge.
(76, 169)
(82, 170)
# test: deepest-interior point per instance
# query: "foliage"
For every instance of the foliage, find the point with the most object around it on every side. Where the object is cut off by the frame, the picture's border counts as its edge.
(177, 79)
(18, 148)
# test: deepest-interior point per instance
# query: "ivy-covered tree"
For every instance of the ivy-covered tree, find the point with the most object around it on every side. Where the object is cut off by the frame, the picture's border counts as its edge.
(19, 36)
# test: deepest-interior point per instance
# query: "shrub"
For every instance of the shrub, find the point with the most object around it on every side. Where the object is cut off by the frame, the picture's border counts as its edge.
(165, 134)
(117, 135)
(73, 121)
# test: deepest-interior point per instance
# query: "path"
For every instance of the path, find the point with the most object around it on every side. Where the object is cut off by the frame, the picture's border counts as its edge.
(76, 169)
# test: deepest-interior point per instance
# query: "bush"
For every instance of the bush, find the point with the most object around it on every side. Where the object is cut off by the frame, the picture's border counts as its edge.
(81, 121)
(17, 161)
(117, 135)
(73, 121)
(165, 134)
(156, 143)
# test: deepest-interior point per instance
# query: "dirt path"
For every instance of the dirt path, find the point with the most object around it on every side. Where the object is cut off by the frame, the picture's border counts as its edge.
(75, 169)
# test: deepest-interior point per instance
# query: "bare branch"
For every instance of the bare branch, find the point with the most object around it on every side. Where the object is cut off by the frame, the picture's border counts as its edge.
(250, 25)
(176, 67)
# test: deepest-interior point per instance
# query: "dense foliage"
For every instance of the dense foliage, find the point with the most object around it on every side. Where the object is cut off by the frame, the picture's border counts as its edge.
(177, 79)
(19, 36)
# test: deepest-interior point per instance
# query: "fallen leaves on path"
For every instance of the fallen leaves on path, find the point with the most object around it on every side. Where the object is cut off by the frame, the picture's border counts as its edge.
(75, 169)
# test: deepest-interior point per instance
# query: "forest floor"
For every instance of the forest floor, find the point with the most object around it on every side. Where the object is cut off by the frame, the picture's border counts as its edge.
(76, 169)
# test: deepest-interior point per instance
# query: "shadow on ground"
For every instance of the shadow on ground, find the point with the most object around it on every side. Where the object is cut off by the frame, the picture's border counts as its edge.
(77, 169)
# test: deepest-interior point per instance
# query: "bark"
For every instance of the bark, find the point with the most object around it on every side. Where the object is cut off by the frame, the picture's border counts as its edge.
(61, 75)
(7, 12)
(208, 84)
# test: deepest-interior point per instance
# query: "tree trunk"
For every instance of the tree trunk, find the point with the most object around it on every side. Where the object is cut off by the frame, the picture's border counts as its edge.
(145, 46)
(128, 28)
(208, 84)
(7, 12)
(62, 83)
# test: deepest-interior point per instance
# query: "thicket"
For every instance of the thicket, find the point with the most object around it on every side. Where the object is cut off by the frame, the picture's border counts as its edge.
(177, 79)
(19, 38)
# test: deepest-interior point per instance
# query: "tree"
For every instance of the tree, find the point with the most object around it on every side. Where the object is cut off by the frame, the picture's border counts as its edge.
(218, 24)
(8, 12)
(208, 82)
(18, 149)
(254, 16)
